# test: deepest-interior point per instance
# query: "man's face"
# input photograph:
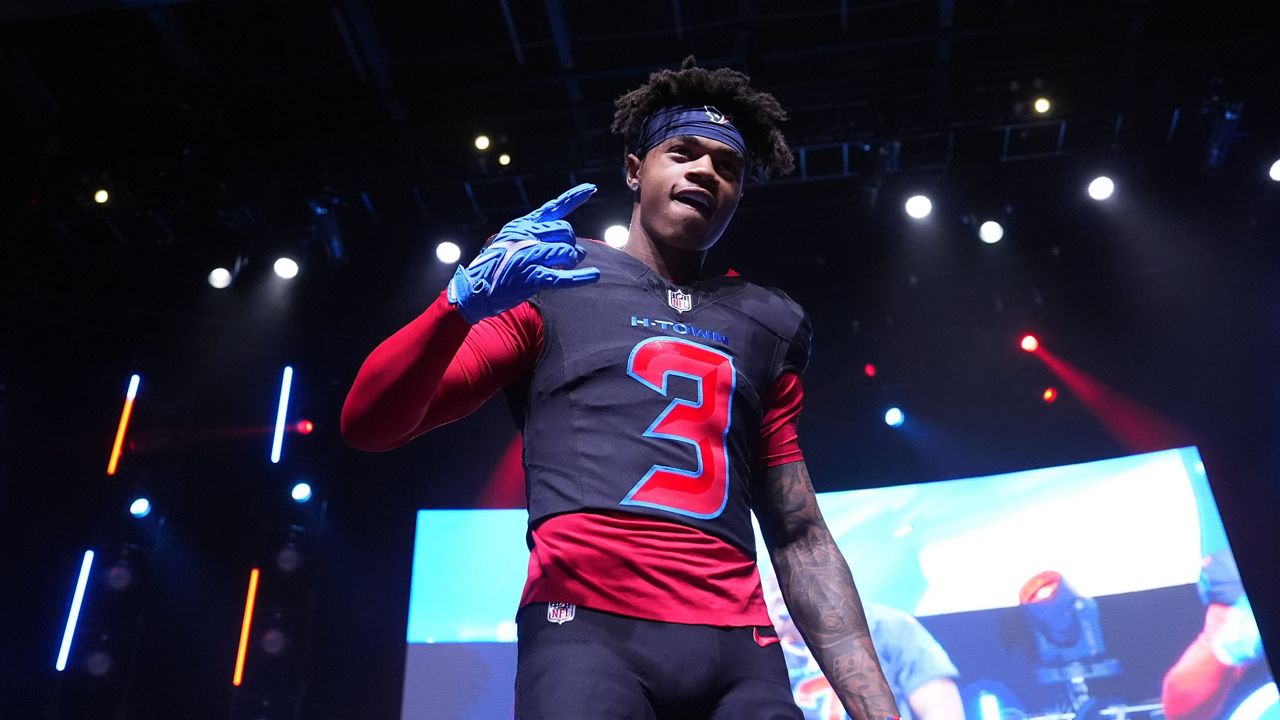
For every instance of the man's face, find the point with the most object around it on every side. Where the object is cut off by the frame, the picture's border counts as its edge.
(689, 188)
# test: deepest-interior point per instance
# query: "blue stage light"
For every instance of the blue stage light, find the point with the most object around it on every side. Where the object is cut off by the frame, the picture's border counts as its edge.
(74, 616)
(277, 442)
(301, 492)
(894, 417)
(140, 507)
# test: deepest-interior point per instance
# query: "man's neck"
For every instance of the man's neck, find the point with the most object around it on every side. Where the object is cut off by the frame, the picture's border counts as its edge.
(673, 265)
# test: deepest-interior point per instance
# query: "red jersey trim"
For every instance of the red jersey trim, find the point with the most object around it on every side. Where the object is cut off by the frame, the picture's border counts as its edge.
(644, 568)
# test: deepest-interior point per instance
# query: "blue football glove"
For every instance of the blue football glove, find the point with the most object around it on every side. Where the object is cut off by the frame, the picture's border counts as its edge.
(536, 251)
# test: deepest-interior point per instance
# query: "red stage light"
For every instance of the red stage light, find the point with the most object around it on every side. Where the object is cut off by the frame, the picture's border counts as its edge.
(870, 370)
(305, 427)
(1030, 343)
(1040, 588)
(1050, 394)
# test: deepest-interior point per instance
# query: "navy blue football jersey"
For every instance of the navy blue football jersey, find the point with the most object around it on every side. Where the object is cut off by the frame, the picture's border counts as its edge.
(648, 397)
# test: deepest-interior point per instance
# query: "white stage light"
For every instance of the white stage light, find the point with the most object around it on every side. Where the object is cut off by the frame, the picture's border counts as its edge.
(301, 492)
(220, 278)
(482, 142)
(919, 207)
(990, 232)
(286, 268)
(1041, 105)
(616, 236)
(140, 508)
(1101, 188)
(448, 253)
(504, 159)
(1275, 171)
(101, 197)
(894, 417)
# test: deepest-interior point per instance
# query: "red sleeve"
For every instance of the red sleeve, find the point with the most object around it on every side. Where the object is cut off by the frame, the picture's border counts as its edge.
(779, 441)
(436, 369)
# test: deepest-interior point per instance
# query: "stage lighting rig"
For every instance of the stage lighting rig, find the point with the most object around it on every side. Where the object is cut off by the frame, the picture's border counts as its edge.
(990, 232)
(286, 268)
(1101, 188)
(1068, 636)
(448, 252)
(616, 236)
(918, 207)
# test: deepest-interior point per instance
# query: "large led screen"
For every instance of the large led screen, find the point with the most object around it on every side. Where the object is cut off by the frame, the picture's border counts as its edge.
(1099, 590)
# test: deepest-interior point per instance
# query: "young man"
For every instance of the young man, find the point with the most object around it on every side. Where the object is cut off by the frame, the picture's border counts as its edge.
(659, 408)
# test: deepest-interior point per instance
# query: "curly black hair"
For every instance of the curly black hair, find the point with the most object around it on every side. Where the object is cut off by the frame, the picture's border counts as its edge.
(755, 113)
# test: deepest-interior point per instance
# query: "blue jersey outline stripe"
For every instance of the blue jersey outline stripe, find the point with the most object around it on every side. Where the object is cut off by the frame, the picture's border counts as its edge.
(724, 438)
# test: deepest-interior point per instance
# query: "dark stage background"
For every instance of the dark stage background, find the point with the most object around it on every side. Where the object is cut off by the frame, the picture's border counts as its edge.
(219, 127)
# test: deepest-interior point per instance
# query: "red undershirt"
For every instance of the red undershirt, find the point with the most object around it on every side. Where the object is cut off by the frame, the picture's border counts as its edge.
(618, 562)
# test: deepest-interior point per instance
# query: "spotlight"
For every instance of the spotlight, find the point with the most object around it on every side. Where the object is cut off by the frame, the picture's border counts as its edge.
(504, 159)
(140, 507)
(305, 427)
(274, 641)
(301, 492)
(918, 207)
(1065, 624)
(616, 236)
(1049, 395)
(1030, 343)
(98, 663)
(286, 268)
(1275, 171)
(894, 417)
(101, 196)
(869, 370)
(120, 576)
(220, 278)
(1101, 188)
(288, 558)
(482, 142)
(1041, 105)
(990, 232)
(448, 253)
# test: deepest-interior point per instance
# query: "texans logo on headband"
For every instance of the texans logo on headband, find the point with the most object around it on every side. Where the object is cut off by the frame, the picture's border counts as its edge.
(702, 121)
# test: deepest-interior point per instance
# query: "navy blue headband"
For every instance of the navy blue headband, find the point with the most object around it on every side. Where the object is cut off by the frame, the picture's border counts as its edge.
(700, 121)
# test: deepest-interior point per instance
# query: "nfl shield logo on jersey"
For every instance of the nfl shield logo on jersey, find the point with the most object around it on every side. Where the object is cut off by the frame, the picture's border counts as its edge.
(680, 300)
(560, 613)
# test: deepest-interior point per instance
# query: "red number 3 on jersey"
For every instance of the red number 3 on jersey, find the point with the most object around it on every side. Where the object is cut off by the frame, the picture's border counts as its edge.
(704, 424)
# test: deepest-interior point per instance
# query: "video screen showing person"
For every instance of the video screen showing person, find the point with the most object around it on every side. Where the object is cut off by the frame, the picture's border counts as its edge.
(1103, 589)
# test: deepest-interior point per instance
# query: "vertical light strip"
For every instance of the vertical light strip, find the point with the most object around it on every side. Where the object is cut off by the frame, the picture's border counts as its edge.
(74, 616)
(244, 627)
(278, 442)
(124, 425)
(988, 706)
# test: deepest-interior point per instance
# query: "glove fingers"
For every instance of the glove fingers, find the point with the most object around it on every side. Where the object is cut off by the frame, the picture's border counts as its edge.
(567, 202)
(544, 277)
(554, 231)
(558, 255)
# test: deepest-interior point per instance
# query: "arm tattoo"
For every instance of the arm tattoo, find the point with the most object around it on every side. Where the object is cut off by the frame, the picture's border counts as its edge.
(820, 594)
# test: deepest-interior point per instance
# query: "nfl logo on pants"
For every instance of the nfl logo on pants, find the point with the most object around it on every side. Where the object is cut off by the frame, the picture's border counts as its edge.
(560, 613)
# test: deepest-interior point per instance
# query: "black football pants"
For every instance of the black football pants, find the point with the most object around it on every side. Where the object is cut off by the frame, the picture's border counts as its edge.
(600, 666)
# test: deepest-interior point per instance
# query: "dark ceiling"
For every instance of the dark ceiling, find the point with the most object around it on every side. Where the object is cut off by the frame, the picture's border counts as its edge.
(220, 127)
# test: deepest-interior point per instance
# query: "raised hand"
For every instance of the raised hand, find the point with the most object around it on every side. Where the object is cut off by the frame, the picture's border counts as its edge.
(532, 252)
